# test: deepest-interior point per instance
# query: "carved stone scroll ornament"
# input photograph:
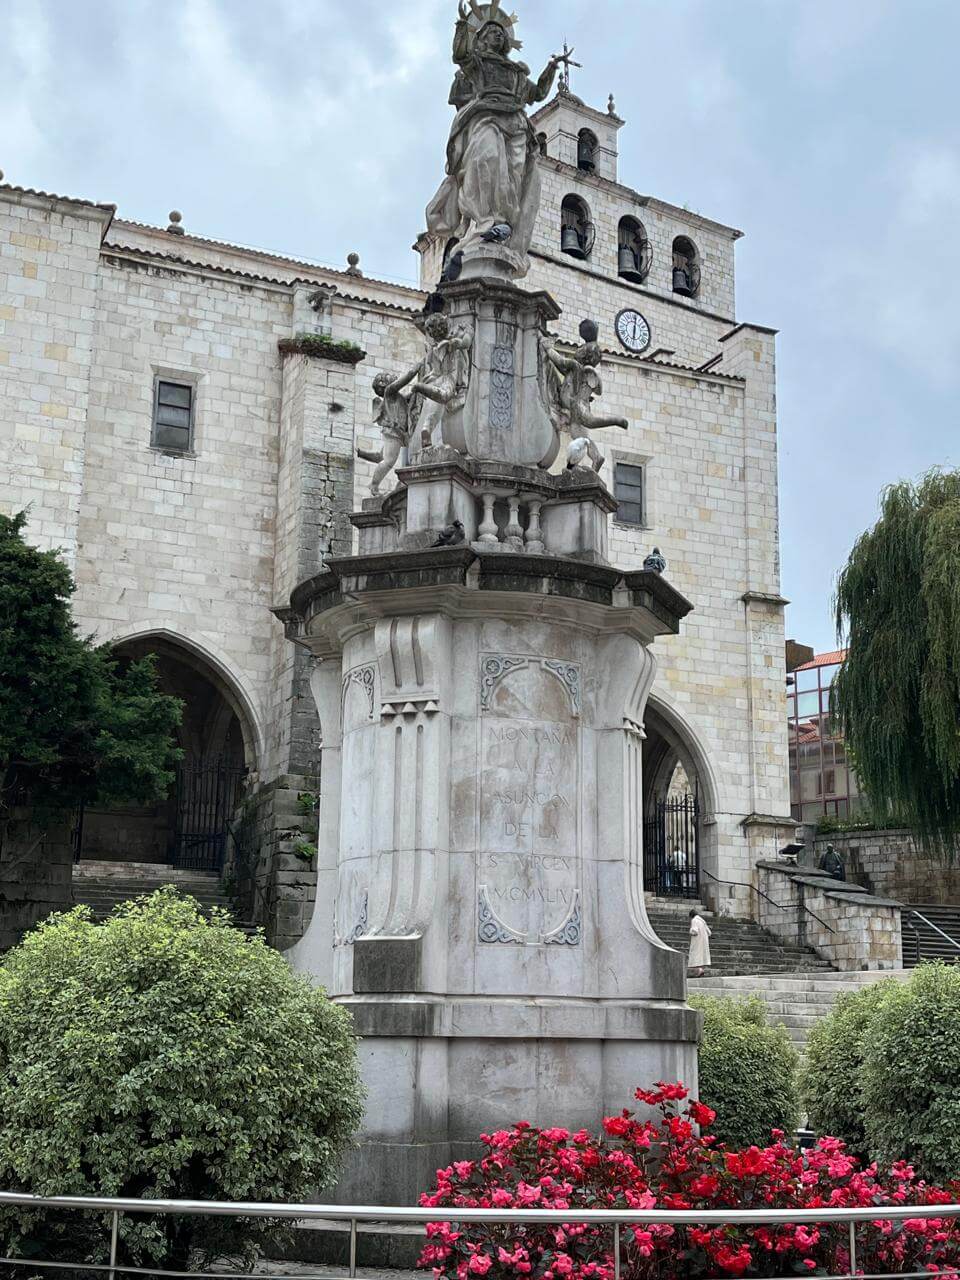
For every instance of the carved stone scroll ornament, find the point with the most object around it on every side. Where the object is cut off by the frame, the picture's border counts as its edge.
(492, 671)
(490, 929)
(571, 935)
(569, 676)
(364, 678)
(360, 928)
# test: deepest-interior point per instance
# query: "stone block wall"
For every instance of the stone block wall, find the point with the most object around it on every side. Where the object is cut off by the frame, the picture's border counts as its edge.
(891, 864)
(36, 874)
(274, 886)
(847, 926)
(49, 265)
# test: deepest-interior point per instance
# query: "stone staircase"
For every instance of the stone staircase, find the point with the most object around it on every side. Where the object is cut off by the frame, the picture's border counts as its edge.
(737, 947)
(924, 928)
(103, 885)
(797, 1000)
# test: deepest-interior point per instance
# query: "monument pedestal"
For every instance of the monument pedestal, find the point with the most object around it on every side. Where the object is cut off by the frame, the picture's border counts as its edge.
(480, 904)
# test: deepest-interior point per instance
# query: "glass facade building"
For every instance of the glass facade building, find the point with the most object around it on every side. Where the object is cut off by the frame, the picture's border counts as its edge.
(822, 782)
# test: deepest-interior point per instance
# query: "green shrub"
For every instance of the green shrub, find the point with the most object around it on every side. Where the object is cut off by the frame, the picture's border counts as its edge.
(162, 1054)
(748, 1071)
(911, 1072)
(831, 1078)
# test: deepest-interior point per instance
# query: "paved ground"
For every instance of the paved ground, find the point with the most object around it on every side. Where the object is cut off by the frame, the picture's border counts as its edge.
(309, 1270)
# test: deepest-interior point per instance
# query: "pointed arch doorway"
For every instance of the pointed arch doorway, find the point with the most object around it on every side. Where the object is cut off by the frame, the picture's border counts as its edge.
(680, 852)
(189, 828)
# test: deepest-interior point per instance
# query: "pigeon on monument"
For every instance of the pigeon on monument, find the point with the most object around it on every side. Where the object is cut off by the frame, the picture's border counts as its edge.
(500, 233)
(655, 562)
(584, 451)
(453, 536)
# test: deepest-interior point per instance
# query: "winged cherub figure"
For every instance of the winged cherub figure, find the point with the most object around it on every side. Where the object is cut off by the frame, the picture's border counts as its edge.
(571, 384)
(492, 188)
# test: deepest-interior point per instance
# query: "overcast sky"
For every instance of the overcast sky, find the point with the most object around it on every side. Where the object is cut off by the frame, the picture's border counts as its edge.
(828, 130)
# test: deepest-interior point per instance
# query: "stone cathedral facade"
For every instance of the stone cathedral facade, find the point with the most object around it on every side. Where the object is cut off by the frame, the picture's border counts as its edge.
(182, 417)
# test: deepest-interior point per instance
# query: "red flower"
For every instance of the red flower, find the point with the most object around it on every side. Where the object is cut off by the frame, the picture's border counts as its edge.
(701, 1115)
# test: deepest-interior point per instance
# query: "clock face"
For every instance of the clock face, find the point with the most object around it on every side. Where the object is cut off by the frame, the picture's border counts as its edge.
(633, 331)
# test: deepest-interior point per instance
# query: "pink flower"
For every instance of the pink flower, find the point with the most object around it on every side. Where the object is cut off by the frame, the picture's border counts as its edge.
(643, 1241)
(479, 1264)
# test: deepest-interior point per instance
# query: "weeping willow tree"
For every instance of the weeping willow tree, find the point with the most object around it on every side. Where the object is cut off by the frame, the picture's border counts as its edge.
(897, 695)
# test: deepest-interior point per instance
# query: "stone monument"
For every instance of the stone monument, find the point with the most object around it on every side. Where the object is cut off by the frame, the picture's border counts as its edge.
(481, 673)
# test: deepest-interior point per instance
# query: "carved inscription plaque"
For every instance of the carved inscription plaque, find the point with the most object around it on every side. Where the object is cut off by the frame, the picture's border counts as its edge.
(529, 858)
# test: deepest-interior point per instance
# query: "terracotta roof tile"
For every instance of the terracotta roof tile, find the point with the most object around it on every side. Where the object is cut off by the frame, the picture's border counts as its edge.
(825, 660)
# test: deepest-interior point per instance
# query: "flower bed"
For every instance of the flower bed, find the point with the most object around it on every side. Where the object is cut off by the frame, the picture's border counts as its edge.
(673, 1163)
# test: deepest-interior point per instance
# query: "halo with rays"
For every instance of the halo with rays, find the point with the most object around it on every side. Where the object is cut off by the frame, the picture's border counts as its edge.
(481, 14)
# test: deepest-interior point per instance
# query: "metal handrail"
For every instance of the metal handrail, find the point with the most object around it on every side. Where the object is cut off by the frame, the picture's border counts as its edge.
(743, 884)
(930, 925)
(355, 1214)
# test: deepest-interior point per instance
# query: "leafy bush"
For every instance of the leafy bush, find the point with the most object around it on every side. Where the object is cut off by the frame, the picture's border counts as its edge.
(748, 1071)
(910, 1073)
(666, 1164)
(162, 1054)
(832, 1078)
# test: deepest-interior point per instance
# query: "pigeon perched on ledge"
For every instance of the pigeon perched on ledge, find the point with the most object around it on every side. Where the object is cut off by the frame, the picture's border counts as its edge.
(453, 536)
(500, 233)
(655, 562)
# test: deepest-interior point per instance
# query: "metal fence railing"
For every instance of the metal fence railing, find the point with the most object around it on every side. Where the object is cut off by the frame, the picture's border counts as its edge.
(349, 1217)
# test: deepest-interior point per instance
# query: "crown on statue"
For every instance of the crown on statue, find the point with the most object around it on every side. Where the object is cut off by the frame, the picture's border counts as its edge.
(481, 15)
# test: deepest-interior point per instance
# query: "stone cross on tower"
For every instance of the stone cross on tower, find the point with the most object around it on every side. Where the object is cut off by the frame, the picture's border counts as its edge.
(566, 59)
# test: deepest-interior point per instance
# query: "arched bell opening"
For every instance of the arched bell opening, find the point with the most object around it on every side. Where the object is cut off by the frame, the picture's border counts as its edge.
(633, 251)
(189, 827)
(587, 147)
(680, 856)
(577, 232)
(686, 267)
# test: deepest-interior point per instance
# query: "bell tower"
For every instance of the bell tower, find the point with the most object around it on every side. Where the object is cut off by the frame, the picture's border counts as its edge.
(578, 135)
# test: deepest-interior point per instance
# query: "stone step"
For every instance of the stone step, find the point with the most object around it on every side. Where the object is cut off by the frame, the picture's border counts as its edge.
(795, 1001)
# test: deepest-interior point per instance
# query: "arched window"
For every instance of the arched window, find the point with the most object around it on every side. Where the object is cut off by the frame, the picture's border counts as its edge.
(633, 251)
(587, 145)
(686, 267)
(542, 143)
(577, 232)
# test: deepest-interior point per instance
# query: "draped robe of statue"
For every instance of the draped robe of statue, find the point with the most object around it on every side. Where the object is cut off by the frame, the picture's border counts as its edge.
(492, 174)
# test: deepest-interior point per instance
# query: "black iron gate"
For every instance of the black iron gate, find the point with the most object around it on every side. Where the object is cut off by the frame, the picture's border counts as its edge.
(207, 799)
(671, 849)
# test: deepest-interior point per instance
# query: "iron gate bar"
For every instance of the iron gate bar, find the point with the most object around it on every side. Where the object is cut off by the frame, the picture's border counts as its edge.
(207, 796)
(674, 829)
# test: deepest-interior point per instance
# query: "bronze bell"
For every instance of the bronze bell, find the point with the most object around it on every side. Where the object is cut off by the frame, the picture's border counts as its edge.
(681, 280)
(586, 155)
(570, 242)
(629, 265)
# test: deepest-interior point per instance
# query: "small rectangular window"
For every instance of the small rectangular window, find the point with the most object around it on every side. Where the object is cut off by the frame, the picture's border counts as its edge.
(173, 416)
(628, 489)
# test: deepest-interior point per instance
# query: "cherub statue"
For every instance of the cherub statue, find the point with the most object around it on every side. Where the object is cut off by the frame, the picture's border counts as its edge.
(395, 416)
(492, 189)
(443, 376)
(572, 383)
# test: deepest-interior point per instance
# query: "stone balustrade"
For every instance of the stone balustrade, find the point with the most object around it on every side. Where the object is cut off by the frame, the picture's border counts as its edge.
(848, 926)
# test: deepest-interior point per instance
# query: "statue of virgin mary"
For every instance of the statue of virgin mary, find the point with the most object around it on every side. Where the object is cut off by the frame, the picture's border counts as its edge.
(492, 189)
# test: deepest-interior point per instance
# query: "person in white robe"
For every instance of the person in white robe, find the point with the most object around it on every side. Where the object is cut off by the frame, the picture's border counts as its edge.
(699, 945)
